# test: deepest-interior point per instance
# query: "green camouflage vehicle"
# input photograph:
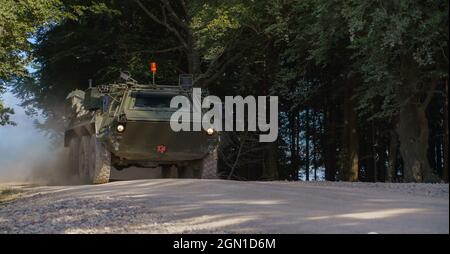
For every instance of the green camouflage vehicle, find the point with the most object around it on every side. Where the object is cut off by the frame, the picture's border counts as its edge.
(127, 124)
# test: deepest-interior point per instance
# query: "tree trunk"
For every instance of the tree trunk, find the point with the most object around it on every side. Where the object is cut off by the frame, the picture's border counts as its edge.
(295, 162)
(374, 145)
(307, 162)
(270, 169)
(391, 170)
(412, 130)
(445, 170)
(192, 54)
(351, 162)
(382, 158)
(330, 144)
(438, 155)
(432, 153)
(366, 157)
(194, 62)
(412, 127)
(314, 141)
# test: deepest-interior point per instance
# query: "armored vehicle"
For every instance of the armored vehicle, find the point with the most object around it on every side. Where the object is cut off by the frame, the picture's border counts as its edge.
(128, 124)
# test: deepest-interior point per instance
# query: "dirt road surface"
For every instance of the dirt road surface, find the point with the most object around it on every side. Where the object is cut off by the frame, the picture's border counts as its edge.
(218, 206)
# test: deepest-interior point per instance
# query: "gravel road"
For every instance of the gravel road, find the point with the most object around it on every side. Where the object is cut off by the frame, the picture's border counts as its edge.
(217, 206)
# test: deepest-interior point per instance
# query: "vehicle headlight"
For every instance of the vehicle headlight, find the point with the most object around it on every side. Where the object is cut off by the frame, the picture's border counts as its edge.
(120, 128)
(210, 131)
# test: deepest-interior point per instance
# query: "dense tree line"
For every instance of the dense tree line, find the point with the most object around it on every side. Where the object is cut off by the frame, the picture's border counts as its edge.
(363, 85)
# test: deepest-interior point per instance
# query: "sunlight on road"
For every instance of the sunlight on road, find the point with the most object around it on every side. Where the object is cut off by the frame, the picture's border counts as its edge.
(371, 215)
(244, 202)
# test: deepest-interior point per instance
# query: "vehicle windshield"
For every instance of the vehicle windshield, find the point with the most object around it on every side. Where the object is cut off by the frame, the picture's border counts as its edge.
(151, 100)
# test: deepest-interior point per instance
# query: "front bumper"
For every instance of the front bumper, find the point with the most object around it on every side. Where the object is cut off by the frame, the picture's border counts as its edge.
(141, 139)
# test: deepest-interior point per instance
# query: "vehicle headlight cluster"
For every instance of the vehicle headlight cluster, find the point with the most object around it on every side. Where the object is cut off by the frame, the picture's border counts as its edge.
(210, 131)
(120, 128)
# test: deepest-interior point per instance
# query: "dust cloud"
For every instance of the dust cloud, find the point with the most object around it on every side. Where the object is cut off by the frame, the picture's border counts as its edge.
(49, 168)
(28, 155)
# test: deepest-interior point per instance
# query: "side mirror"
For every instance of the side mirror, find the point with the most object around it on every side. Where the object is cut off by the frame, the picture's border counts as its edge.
(186, 81)
(93, 99)
(74, 102)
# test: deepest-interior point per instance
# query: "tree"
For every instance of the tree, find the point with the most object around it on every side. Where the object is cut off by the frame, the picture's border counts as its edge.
(401, 49)
(5, 115)
(18, 21)
(95, 40)
(207, 33)
(316, 64)
(362, 85)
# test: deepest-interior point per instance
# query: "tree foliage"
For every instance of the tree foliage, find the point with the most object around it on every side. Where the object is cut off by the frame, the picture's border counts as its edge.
(18, 21)
(357, 80)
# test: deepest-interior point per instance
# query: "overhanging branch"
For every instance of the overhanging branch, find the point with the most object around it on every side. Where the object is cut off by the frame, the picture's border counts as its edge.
(174, 15)
(163, 23)
(160, 51)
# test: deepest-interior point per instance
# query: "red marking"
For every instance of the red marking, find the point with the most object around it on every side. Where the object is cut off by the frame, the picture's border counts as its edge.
(161, 149)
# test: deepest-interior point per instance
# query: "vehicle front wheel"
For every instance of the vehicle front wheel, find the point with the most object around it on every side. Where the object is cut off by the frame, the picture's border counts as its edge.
(94, 164)
(100, 162)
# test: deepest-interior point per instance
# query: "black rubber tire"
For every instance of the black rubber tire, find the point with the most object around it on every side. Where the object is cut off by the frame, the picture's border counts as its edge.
(209, 166)
(100, 162)
(94, 161)
(83, 159)
(168, 172)
(74, 147)
(186, 172)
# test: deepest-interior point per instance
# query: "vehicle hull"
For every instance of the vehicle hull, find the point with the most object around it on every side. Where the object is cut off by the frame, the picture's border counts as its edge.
(155, 141)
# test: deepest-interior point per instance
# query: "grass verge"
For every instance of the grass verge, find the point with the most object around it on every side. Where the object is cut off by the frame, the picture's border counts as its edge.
(8, 194)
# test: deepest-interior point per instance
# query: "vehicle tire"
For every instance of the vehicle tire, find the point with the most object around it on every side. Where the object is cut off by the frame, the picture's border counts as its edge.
(74, 147)
(186, 172)
(209, 166)
(99, 161)
(84, 159)
(168, 171)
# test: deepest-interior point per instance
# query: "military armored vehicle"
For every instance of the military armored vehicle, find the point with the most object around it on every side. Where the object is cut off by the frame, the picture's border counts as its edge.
(128, 124)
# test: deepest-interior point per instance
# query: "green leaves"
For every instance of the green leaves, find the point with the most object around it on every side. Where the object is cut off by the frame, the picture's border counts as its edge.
(215, 25)
(19, 20)
(386, 32)
(5, 115)
(316, 45)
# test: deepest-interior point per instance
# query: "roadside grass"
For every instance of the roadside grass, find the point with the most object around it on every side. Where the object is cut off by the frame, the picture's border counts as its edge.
(8, 194)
